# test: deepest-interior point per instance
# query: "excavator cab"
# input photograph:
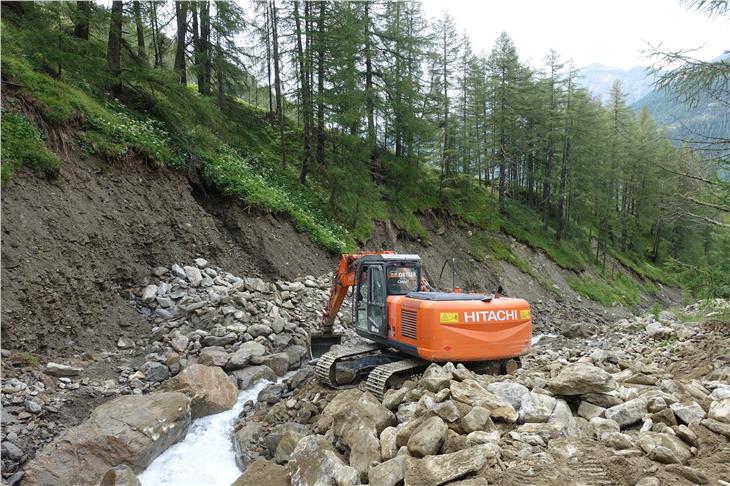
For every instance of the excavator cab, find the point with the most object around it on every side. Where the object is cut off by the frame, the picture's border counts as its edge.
(377, 277)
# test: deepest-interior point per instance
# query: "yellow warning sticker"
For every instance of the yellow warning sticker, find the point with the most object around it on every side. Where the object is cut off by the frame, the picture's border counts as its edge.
(525, 314)
(449, 317)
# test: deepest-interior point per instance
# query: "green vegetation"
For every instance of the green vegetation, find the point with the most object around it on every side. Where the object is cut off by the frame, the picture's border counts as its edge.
(354, 127)
(610, 290)
(23, 145)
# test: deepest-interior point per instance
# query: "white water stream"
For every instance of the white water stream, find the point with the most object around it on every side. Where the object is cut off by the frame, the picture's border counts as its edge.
(206, 456)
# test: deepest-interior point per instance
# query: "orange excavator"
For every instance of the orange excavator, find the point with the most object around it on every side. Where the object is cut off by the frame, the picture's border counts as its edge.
(409, 324)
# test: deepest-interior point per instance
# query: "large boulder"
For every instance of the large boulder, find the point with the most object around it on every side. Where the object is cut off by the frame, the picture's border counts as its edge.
(472, 393)
(664, 447)
(436, 470)
(209, 388)
(629, 412)
(263, 472)
(315, 462)
(509, 391)
(252, 374)
(213, 356)
(389, 473)
(536, 407)
(691, 413)
(130, 430)
(720, 410)
(427, 440)
(477, 419)
(581, 378)
(435, 378)
(358, 419)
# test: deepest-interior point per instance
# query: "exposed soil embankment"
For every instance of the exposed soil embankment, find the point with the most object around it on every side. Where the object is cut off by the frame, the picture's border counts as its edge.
(72, 245)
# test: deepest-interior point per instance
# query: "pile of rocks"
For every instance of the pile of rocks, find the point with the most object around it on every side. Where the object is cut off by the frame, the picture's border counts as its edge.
(201, 314)
(458, 427)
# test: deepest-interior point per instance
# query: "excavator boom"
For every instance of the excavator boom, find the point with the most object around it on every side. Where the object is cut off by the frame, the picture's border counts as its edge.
(344, 278)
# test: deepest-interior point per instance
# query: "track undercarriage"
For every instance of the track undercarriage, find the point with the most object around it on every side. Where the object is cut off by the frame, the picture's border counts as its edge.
(383, 367)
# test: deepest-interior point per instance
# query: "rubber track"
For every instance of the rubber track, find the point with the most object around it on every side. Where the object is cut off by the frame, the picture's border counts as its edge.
(328, 361)
(377, 382)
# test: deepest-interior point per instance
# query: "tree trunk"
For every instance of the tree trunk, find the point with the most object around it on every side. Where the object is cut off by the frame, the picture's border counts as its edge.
(140, 30)
(320, 84)
(83, 18)
(114, 48)
(205, 75)
(304, 80)
(369, 94)
(181, 14)
(155, 29)
(277, 80)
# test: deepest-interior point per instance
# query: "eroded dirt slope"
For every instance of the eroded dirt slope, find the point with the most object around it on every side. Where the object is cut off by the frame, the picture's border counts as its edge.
(73, 245)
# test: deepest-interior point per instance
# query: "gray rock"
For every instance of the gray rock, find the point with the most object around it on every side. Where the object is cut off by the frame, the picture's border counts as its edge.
(263, 472)
(472, 393)
(477, 419)
(427, 440)
(536, 407)
(278, 324)
(229, 338)
(720, 410)
(178, 271)
(125, 343)
(201, 262)
(193, 275)
(388, 447)
(581, 378)
(629, 412)
(59, 370)
(213, 356)
(208, 387)
(481, 437)
(179, 343)
(602, 427)
(658, 332)
(257, 330)
(389, 473)
(447, 410)
(246, 377)
(393, 397)
(286, 445)
(131, 429)
(154, 371)
(314, 462)
(690, 413)
(272, 393)
(437, 470)
(149, 293)
(670, 448)
(435, 378)
(239, 359)
(648, 481)
(509, 391)
(12, 451)
(278, 362)
(587, 410)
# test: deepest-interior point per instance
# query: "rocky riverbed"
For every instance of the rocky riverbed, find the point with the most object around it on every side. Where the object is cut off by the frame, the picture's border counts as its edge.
(602, 399)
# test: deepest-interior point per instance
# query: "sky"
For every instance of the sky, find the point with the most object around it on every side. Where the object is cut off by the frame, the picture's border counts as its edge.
(611, 32)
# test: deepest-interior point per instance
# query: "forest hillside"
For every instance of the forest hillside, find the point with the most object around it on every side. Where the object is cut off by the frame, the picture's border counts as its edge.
(180, 180)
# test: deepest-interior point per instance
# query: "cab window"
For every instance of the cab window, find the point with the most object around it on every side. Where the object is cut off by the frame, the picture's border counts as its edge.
(402, 279)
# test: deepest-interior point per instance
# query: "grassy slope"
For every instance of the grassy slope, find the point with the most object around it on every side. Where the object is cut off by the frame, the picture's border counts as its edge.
(236, 150)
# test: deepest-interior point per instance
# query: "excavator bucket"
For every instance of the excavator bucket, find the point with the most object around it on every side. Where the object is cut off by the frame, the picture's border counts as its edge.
(320, 343)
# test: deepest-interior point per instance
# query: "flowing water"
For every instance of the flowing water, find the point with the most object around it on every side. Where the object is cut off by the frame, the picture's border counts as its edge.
(205, 457)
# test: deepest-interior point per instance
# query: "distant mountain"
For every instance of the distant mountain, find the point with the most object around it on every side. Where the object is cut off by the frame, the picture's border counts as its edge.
(708, 117)
(598, 79)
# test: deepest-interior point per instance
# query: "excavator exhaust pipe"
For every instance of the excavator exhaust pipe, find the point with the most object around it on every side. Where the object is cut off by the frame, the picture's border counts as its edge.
(321, 343)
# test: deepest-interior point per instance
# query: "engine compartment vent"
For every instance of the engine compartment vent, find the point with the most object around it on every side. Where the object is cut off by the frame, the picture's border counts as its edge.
(408, 323)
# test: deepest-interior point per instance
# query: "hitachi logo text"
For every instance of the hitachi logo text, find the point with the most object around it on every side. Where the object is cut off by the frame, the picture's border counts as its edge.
(484, 316)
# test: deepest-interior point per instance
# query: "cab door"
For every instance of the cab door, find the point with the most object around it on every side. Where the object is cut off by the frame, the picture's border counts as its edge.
(376, 308)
